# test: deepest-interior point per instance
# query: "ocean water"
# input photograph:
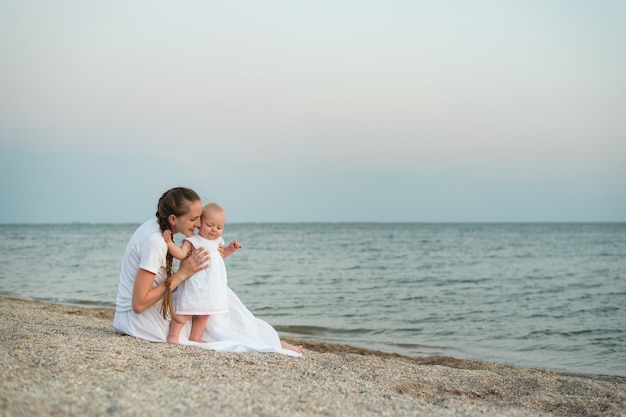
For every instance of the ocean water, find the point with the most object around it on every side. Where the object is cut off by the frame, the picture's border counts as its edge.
(551, 296)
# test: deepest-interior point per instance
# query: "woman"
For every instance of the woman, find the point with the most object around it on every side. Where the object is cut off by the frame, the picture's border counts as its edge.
(146, 275)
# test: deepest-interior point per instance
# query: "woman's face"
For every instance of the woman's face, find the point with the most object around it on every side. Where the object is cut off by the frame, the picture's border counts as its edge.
(187, 223)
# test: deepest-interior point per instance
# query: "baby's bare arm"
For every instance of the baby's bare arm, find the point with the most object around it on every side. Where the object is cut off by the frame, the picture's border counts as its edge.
(177, 252)
(231, 248)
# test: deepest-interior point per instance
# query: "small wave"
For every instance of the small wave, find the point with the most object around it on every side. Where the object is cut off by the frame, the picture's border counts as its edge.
(452, 281)
(58, 300)
(569, 334)
(408, 330)
(79, 302)
(319, 330)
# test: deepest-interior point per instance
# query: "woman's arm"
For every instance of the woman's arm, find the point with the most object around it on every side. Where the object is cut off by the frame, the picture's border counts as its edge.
(145, 296)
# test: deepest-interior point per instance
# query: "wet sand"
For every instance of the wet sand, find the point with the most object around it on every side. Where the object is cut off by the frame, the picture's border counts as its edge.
(60, 360)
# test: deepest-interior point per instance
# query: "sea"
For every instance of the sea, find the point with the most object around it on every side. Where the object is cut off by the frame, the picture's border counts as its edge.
(550, 296)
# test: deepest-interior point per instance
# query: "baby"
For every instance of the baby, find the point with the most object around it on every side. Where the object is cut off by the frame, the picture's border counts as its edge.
(204, 293)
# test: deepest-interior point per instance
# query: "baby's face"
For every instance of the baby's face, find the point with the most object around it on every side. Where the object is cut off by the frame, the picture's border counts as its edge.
(212, 224)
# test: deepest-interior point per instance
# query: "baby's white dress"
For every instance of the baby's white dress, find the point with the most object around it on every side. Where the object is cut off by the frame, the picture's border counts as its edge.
(205, 293)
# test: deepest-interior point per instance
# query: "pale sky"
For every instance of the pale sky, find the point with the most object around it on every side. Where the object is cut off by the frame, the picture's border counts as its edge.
(286, 111)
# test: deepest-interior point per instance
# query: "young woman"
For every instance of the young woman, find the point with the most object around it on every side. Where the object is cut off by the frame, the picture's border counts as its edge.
(146, 272)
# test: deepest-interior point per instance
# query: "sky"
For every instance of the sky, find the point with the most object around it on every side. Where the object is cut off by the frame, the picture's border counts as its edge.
(314, 111)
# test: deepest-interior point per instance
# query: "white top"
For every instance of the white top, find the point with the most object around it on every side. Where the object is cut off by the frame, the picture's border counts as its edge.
(147, 250)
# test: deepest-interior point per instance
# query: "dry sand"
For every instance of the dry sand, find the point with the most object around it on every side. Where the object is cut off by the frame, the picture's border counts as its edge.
(60, 360)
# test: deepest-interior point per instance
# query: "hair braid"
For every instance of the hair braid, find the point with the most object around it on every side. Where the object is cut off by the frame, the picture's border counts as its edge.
(167, 304)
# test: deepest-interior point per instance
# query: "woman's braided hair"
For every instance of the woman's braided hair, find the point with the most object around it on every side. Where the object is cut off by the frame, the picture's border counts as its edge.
(174, 201)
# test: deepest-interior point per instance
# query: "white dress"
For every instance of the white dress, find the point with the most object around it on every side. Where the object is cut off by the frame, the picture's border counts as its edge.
(205, 292)
(236, 330)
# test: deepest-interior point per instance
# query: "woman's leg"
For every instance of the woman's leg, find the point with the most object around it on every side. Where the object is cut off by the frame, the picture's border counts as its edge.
(289, 346)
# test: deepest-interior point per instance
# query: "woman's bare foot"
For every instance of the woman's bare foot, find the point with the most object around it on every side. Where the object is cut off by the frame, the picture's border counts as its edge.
(172, 339)
(289, 346)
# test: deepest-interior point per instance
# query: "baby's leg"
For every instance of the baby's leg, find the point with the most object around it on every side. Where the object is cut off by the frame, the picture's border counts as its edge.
(175, 328)
(198, 324)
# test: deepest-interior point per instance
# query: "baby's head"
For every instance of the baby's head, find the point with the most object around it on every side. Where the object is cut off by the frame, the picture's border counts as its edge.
(213, 220)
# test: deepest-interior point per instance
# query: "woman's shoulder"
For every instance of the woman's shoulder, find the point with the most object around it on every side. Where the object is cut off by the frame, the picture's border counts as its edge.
(149, 227)
(148, 231)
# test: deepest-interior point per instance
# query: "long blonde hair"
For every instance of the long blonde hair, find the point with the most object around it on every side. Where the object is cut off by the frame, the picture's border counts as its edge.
(174, 201)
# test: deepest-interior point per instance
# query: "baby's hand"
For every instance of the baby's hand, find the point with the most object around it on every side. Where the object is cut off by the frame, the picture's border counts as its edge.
(234, 245)
(167, 235)
(230, 249)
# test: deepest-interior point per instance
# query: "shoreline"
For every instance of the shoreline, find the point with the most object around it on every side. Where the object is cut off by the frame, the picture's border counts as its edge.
(65, 359)
(339, 347)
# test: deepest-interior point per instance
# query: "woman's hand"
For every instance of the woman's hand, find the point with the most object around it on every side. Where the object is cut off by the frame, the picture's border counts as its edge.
(197, 260)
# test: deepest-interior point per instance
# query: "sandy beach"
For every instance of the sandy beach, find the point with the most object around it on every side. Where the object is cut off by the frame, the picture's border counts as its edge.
(60, 360)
